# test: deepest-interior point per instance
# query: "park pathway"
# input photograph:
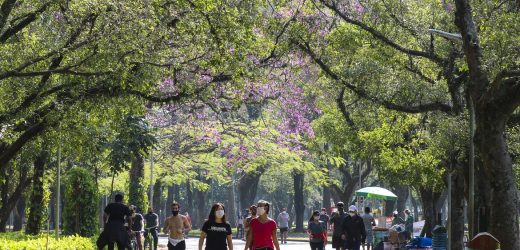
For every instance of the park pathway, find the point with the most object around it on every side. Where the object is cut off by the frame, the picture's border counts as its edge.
(192, 243)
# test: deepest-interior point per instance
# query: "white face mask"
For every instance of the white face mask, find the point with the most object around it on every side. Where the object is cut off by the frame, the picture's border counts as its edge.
(260, 210)
(316, 217)
(219, 214)
(352, 214)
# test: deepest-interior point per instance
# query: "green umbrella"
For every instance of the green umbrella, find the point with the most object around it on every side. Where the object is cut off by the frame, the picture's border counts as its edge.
(376, 192)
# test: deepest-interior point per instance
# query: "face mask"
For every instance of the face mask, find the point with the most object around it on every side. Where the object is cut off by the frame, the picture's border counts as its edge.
(219, 213)
(316, 217)
(260, 210)
(175, 213)
(352, 214)
(322, 212)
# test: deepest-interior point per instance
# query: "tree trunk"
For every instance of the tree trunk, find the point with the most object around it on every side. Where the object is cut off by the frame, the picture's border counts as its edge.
(402, 193)
(230, 209)
(326, 198)
(201, 208)
(494, 103)
(428, 198)
(298, 201)
(248, 186)
(157, 193)
(457, 209)
(137, 190)
(189, 197)
(36, 208)
(497, 165)
(19, 214)
(9, 201)
(415, 206)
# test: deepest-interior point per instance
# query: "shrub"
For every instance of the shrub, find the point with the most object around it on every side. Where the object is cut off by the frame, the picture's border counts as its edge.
(15, 241)
(80, 204)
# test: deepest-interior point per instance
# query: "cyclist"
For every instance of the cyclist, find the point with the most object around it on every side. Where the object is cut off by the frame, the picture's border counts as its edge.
(152, 223)
(137, 227)
(114, 230)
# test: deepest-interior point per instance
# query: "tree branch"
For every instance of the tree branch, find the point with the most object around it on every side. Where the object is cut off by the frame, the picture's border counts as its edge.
(420, 108)
(343, 108)
(10, 151)
(5, 11)
(471, 45)
(28, 19)
(378, 35)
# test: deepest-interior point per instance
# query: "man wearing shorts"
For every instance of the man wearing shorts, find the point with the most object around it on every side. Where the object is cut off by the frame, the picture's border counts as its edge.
(176, 226)
(283, 224)
(369, 222)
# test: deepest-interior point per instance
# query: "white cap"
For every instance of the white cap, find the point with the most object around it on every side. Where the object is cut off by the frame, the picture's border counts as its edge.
(352, 208)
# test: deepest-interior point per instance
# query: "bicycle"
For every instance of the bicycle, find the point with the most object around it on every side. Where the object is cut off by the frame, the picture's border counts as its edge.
(149, 238)
(133, 240)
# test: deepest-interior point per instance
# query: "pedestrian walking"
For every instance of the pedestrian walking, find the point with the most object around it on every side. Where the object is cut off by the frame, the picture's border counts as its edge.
(216, 230)
(262, 234)
(324, 216)
(336, 220)
(283, 224)
(408, 223)
(317, 230)
(114, 231)
(353, 230)
(252, 215)
(240, 226)
(369, 222)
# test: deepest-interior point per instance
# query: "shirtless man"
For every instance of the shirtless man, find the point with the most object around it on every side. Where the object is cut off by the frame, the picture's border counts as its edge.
(176, 226)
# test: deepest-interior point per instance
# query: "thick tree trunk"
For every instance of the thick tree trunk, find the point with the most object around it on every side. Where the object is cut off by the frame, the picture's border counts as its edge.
(429, 198)
(137, 190)
(36, 208)
(491, 145)
(415, 206)
(19, 215)
(202, 208)
(157, 194)
(189, 197)
(248, 186)
(9, 201)
(326, 198)
(402, 193)
(457, 209)
(230, 208)
(298, 201)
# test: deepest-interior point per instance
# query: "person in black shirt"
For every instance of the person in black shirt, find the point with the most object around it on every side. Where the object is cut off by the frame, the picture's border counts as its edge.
(114, 230)
(216, 230)
(353, 230)
(152, 223)
(137, 226)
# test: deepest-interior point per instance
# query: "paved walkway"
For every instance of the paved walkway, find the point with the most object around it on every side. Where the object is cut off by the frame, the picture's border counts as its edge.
(192, 243)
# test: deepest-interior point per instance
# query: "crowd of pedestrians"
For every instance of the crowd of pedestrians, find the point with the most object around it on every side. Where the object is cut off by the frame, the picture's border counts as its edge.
(350, 230)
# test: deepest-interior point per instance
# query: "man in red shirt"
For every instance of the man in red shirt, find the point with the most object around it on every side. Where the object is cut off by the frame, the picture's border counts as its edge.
(262, 235)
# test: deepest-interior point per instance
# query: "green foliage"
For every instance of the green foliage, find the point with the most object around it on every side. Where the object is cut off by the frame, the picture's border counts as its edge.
(134, 138)
(80, 200)
(19, 241)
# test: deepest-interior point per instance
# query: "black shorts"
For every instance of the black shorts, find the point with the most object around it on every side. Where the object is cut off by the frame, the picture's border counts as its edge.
(284, 229)
(337, 242)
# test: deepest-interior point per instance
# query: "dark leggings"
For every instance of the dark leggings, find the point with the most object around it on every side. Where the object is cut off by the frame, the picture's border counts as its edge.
(317, 245)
